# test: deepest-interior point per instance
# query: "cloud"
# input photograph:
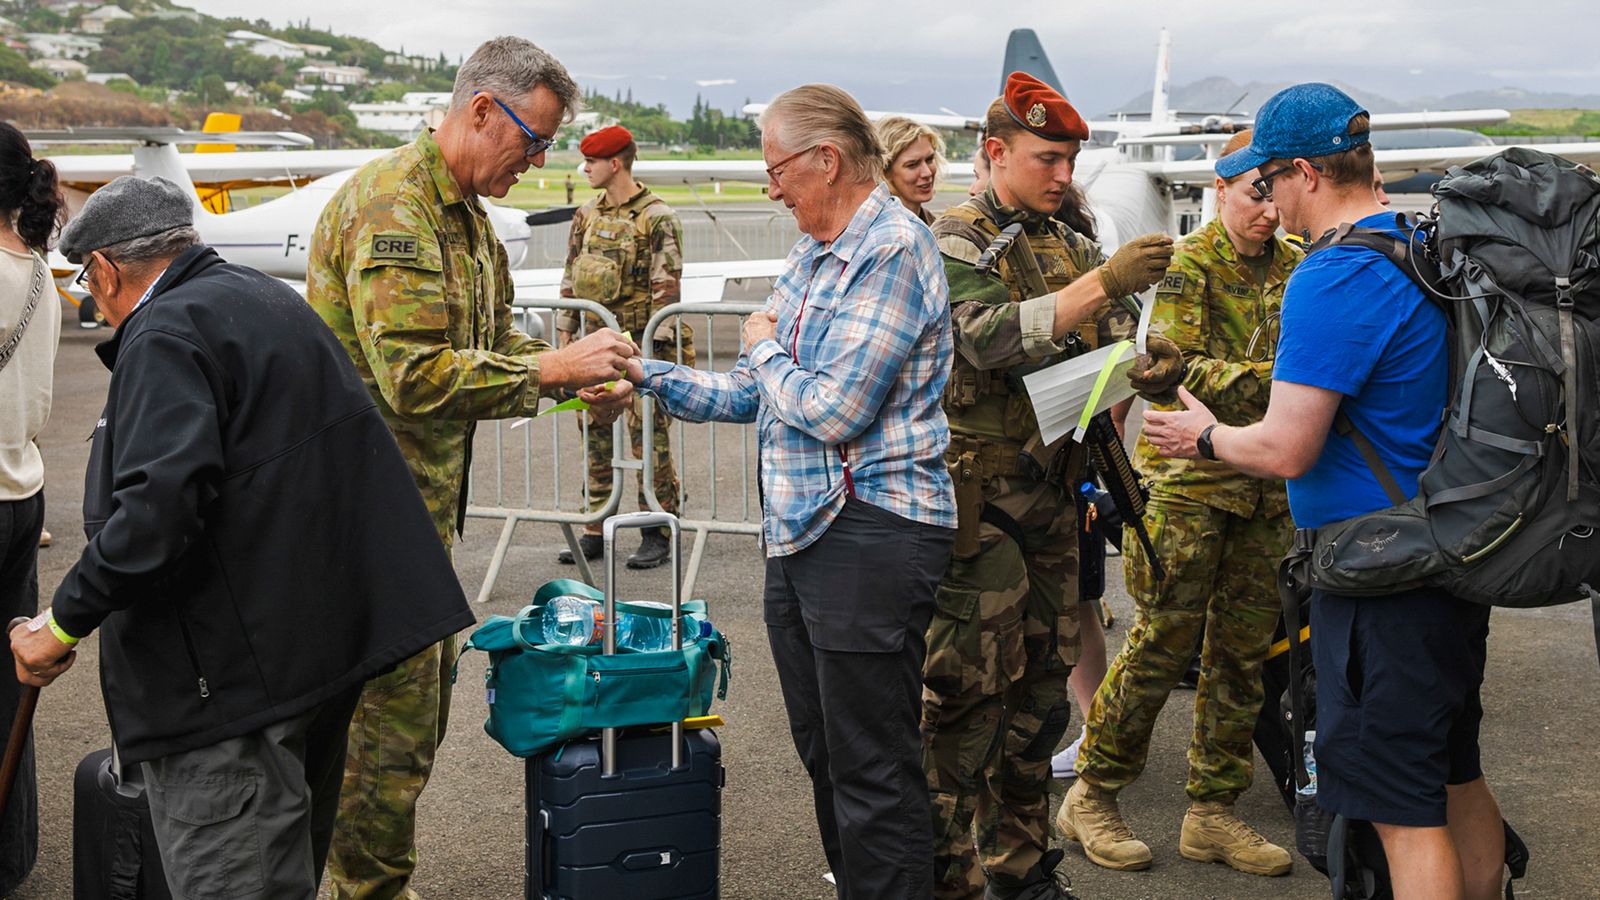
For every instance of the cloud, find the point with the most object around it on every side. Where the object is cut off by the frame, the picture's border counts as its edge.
(714, 82)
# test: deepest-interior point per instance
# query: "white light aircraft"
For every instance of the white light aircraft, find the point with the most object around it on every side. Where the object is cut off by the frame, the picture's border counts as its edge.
(273, 236)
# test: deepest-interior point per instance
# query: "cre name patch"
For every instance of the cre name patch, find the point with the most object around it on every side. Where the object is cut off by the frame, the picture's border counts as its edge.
(394, 246)
(1170, 284)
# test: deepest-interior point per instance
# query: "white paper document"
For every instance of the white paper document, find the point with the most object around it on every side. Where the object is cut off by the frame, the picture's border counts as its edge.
(1068, 394)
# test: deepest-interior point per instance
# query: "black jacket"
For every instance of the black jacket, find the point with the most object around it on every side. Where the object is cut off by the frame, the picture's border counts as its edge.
(256, 543)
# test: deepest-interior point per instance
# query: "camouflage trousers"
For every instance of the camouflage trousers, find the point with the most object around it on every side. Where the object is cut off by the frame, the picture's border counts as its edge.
(1220, 594)
(394, 734)
(600, 448)
(1003, 640)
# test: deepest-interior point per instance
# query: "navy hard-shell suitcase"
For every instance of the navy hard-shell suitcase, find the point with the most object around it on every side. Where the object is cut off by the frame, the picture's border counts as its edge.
(635, 815)
(114, 855)
(648, 831)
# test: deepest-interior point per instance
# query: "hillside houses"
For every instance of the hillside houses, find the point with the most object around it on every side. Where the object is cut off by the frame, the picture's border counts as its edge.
(61, 46)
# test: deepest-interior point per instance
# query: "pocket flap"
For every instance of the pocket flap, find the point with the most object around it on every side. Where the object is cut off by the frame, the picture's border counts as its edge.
(957, 603)
(206, 802)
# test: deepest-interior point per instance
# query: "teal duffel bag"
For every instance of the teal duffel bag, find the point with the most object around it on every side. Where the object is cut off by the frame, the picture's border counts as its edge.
(542, 695)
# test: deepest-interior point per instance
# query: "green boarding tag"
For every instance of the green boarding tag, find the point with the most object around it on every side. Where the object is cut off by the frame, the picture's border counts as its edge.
(394, 245)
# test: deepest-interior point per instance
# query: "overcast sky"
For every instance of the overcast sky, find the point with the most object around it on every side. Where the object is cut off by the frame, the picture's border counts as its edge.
(928, 54)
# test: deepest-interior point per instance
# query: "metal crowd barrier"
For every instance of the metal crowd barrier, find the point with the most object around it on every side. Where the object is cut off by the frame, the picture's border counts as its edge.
(522, 468)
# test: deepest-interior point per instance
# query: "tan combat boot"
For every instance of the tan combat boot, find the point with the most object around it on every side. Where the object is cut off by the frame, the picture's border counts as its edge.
(1090, 817)
(1212, 833)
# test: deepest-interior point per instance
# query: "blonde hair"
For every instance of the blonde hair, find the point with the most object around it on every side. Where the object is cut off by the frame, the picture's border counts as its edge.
(898, 132)
(815, 114)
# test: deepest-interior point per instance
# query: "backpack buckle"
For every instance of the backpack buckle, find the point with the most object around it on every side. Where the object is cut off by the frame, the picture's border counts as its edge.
(1564, 293)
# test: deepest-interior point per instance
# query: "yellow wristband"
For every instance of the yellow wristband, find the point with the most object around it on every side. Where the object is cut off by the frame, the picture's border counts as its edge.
(61, 635)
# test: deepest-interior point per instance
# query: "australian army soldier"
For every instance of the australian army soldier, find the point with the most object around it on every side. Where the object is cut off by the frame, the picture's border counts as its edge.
(407, 271)
(625, 253)
(1005, 634)
(1219, 534)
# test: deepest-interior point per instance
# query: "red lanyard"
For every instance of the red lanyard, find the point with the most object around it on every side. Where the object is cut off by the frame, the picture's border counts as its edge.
(794, 353)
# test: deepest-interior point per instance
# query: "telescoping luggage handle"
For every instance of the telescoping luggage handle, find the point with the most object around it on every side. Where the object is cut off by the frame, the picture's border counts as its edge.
(639, 520)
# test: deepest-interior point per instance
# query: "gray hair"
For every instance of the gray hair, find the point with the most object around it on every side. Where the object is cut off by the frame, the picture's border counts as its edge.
(162, 245)
(814, 114)
(510, 67)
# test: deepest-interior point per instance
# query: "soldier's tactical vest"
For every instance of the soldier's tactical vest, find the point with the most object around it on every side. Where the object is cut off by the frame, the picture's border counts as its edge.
(614, 267)
(972, 392)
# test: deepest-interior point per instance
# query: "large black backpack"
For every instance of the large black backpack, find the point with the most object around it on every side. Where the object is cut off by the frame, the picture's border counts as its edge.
(1506, 512)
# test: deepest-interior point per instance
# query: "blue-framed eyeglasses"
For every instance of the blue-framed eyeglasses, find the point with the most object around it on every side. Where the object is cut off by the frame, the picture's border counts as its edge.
(538, 145)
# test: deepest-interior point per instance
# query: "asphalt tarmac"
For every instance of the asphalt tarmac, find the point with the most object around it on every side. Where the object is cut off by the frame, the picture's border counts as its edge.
(1539, 733)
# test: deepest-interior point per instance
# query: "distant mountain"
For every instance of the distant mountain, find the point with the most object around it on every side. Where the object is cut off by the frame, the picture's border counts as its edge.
(1509, 98)
(1217, 95)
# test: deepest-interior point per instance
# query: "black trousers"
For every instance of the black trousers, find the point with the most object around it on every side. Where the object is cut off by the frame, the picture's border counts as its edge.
(20, 523)
(847, 618)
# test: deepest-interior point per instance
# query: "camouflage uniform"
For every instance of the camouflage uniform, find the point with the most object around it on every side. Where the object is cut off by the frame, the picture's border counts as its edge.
(1219, 534)
(629, 259)
(409, 274)
(1004, 637)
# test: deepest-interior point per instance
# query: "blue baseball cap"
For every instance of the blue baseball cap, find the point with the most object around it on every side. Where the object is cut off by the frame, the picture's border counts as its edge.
(1305, 120)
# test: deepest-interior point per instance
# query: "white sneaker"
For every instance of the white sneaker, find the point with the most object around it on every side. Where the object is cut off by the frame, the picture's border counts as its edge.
(1064, 764)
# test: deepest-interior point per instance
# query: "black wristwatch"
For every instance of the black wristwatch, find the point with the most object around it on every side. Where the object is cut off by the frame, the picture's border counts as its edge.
(1203, 443)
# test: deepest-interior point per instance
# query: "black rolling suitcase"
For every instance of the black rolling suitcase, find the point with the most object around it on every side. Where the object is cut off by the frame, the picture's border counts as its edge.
(635, 815)
(114, 854)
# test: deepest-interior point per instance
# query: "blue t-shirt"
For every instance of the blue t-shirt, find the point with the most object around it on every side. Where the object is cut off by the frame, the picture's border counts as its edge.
(1354, 323)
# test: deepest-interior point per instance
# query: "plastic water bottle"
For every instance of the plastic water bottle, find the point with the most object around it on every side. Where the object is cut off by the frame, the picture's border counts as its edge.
(1310, 789)
(646, 632)
(569, 619)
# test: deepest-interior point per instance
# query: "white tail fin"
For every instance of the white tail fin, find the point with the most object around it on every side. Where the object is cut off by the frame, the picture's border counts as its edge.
(161, 161)
(1159, 109)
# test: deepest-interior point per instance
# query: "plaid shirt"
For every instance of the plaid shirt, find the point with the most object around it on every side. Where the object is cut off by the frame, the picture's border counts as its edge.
(868, 321)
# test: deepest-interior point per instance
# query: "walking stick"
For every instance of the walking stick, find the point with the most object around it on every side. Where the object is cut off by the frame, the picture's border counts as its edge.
(19, 731)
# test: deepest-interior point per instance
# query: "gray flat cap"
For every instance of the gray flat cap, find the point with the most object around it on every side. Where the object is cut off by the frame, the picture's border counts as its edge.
(127, 208)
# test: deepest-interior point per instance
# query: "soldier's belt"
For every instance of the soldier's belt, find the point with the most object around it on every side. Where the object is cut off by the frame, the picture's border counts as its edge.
(996, 458)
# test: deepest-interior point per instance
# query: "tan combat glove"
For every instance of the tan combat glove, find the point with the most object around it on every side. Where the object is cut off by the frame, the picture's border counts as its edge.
(1157, 373)
(1136, 265)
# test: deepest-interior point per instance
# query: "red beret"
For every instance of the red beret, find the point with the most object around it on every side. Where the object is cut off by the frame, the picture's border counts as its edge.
(1038, 108)
(605, 143)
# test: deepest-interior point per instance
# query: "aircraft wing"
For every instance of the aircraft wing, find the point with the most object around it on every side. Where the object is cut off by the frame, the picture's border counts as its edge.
(1397, 164)
(700, 171)
(210, 168)
(701, 283)
(946, 121)
(1445, 118)
(705, 171)
(1394, 164)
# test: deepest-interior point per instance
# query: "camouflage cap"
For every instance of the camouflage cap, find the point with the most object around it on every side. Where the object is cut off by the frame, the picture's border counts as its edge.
(127, 208)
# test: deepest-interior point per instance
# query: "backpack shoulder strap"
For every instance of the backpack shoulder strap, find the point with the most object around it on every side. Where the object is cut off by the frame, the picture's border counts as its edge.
(1369, 453)
(1403, 252)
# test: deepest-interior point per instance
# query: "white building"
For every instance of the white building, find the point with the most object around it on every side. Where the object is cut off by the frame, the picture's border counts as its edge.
(326, 73)
(402, 120)
(95, 22)
(420, 63)
(315, 49)
(61, 68)
(440, 99)
(62, 46)
(107, 77)
(294, 96)
(261, 45)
